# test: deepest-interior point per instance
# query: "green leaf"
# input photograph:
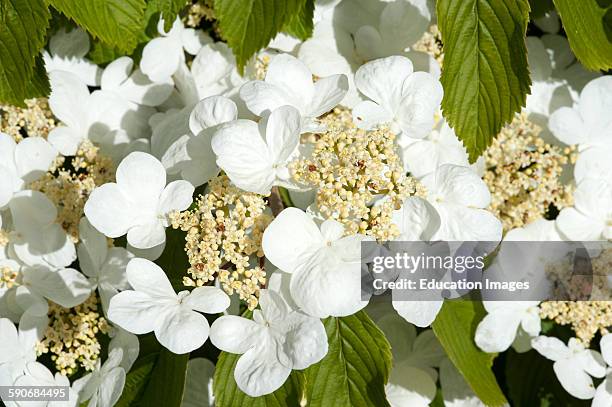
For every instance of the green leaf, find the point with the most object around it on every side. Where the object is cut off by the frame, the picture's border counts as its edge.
(167, 382)
(174, 261)
(485, 74)
(102, 53)
(23, 25)
(168, 9)
(227, 393)
(530, 377)
(116, 22)
(301, 24)
(455, 327)
(356, 368)
(136, 381)
(249, 25)
(588, 25)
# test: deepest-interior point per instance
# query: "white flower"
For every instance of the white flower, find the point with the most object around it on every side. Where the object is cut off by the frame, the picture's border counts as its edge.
(104, 266)
(589, 125)
(199, 384)
(277, 340)
(289, 82)
(404, 99)
(440, 146)
(325, 266)
(22, 163)
(129, 345)
(591, 216)
(574, 365)
(353, 32)
(498, 329)
(155, 306)
(91, 116)
(103, 386)
(603, 394)
(417, 220)
(255, 155)
(162, 56)
(557, 78)
(459, 195)
(17, 345)
(192, 152)
(37, 239)
(139, 203)
(413, 378)
(67, 50)
(134, 86)
(37, 374)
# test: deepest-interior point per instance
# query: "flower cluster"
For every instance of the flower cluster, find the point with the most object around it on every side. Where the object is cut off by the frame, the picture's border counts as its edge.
(224, 231)
(270, 181)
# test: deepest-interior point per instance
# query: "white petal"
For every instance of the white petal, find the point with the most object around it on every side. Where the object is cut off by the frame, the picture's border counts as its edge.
(497, 330)
(379, 79)
(567, 125)
(66, 139)
(578, 226)
(283, 133)
(92, 249)
(33, 156)
(136, 312)
(368, 115)
(328, 93)
(307, 340)
(129, 345)
(603, 394)
(550, 347)
(116, 73)
(291, 239)
(575, 381)
(243, 155)
(409, 387)
(261, 97)
(138, 88)
(258, 372)
(109, 211)
(161, 58)
(322, 288)
(235, 334)
(111, 387)
(459, 185)
(416, 219)
(292, 76)
(141, 177)
(605, 344)
(210, 112)
(467, 224)
(193, 40)
(147, 277)
(421, 97)
(211, 300)
(69, 98)
(183, 331)
(66, 287)
(419, 313)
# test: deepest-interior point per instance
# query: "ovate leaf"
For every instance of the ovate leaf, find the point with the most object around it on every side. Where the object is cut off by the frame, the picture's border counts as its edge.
(356, 368)
(301, 24)
(227, 393)
(485, 74)
(249, 25)
(167, 382)
(455, 327)
(588, 25)
(23, 25)
(116, 22)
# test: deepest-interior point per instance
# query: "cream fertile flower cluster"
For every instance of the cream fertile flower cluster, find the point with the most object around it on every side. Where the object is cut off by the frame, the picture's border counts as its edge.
(183, 141)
